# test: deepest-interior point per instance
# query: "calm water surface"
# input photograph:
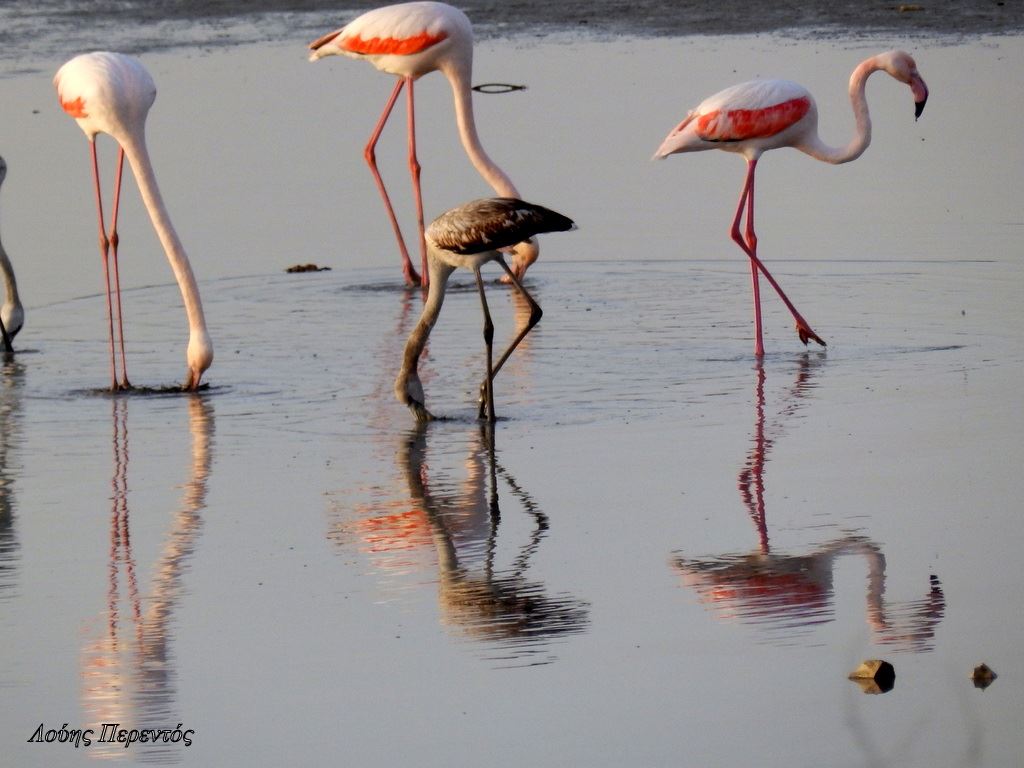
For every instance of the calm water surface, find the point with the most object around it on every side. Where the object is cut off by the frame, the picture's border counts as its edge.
(663, 554)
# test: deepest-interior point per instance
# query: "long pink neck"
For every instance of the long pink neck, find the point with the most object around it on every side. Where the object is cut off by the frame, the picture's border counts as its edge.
(459, 77)
(815, 147)
(138, 157)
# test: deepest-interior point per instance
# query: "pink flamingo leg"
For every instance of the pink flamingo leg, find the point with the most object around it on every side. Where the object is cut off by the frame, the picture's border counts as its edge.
(802, 328)
(411, 278)
(755, 280)
(104, 255)
(114, 240)
(747, 198)
(414, 172)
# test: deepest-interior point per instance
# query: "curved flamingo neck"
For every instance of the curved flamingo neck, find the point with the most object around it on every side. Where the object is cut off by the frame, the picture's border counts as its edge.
(138, 158)
(10, 283)
(458, 75)
(862, 118)
(439, 274)
(407, 385)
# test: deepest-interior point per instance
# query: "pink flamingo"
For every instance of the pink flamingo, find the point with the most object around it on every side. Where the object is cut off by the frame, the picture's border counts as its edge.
(759, 115)
(409, 40)
(111, 93)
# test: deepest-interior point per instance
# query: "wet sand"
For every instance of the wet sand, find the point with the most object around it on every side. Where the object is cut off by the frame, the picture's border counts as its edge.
(29, 29)
(669, 544)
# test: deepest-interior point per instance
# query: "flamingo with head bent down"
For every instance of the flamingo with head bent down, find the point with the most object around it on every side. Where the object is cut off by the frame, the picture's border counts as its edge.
(410, 40)
(111, 93)
(12, 314)
(759, 115)
(470, 236)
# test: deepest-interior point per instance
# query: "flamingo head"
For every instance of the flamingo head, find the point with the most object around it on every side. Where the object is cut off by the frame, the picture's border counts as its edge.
(409, 390)
(523, 255)
(328, 45)
(199, 356)
(13, 316)
(901, 65)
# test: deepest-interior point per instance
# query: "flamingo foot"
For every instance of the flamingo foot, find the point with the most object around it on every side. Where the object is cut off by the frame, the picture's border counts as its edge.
(191, 383)
(805, 333)
(482, 401)
(484, 413)
(412, 277)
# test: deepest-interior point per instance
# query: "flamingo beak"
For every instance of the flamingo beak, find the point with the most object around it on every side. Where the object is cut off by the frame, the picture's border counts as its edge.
(920, 91)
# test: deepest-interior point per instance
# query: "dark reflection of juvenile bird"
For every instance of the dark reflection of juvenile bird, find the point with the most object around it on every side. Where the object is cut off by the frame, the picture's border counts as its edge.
(470, 236)
(477, 598)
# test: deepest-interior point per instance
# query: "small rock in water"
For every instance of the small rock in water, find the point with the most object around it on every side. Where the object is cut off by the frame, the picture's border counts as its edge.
(307, 268)
(983, 676)
(874, 676)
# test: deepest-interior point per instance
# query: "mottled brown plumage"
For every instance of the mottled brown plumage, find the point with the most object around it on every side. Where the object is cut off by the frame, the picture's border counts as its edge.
(493, 223)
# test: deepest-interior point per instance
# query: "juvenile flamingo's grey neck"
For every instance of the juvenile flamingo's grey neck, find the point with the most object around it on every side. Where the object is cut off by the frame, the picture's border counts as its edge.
(816, 148)
(408, 388)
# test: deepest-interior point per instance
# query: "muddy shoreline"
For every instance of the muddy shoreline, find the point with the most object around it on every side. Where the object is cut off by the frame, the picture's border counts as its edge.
(30, 31)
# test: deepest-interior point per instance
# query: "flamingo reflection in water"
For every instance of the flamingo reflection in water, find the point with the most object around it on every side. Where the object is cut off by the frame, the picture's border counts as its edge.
(12, 380)
(458, 524)
(127, 672)
(794, 592)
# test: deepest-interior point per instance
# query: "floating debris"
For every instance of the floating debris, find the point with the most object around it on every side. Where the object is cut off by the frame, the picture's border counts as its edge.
(874, 676)
(909, 8)
(498, 88)
(307, 268)
(983, 676)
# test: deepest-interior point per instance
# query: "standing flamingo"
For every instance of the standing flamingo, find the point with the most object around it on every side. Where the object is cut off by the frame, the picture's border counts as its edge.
(12, 315)
(766, 114)
(470, 236)
(111, 93)
(409, 40)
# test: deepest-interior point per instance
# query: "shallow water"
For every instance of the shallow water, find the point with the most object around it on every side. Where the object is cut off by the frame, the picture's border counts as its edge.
(669, 554)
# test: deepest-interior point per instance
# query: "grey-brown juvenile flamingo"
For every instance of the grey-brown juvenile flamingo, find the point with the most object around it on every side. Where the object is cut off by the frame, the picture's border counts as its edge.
(469, 236)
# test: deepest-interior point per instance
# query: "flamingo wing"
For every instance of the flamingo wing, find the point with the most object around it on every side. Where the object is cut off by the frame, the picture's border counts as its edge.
(751, 110)
(493, 223)
(397, 30)
(757, 109)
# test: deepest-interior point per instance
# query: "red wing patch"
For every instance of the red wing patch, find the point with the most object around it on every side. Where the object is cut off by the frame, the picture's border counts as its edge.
(398, 46)
(742, 124)
(75, 108)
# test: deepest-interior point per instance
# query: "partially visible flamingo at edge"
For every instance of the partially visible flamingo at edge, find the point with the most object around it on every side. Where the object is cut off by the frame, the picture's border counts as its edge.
(111, 93)
(410, 40)
(12, 315)
(753, 117)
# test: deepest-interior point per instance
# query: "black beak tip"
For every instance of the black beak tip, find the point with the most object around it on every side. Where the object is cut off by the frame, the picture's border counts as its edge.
(919, 107)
